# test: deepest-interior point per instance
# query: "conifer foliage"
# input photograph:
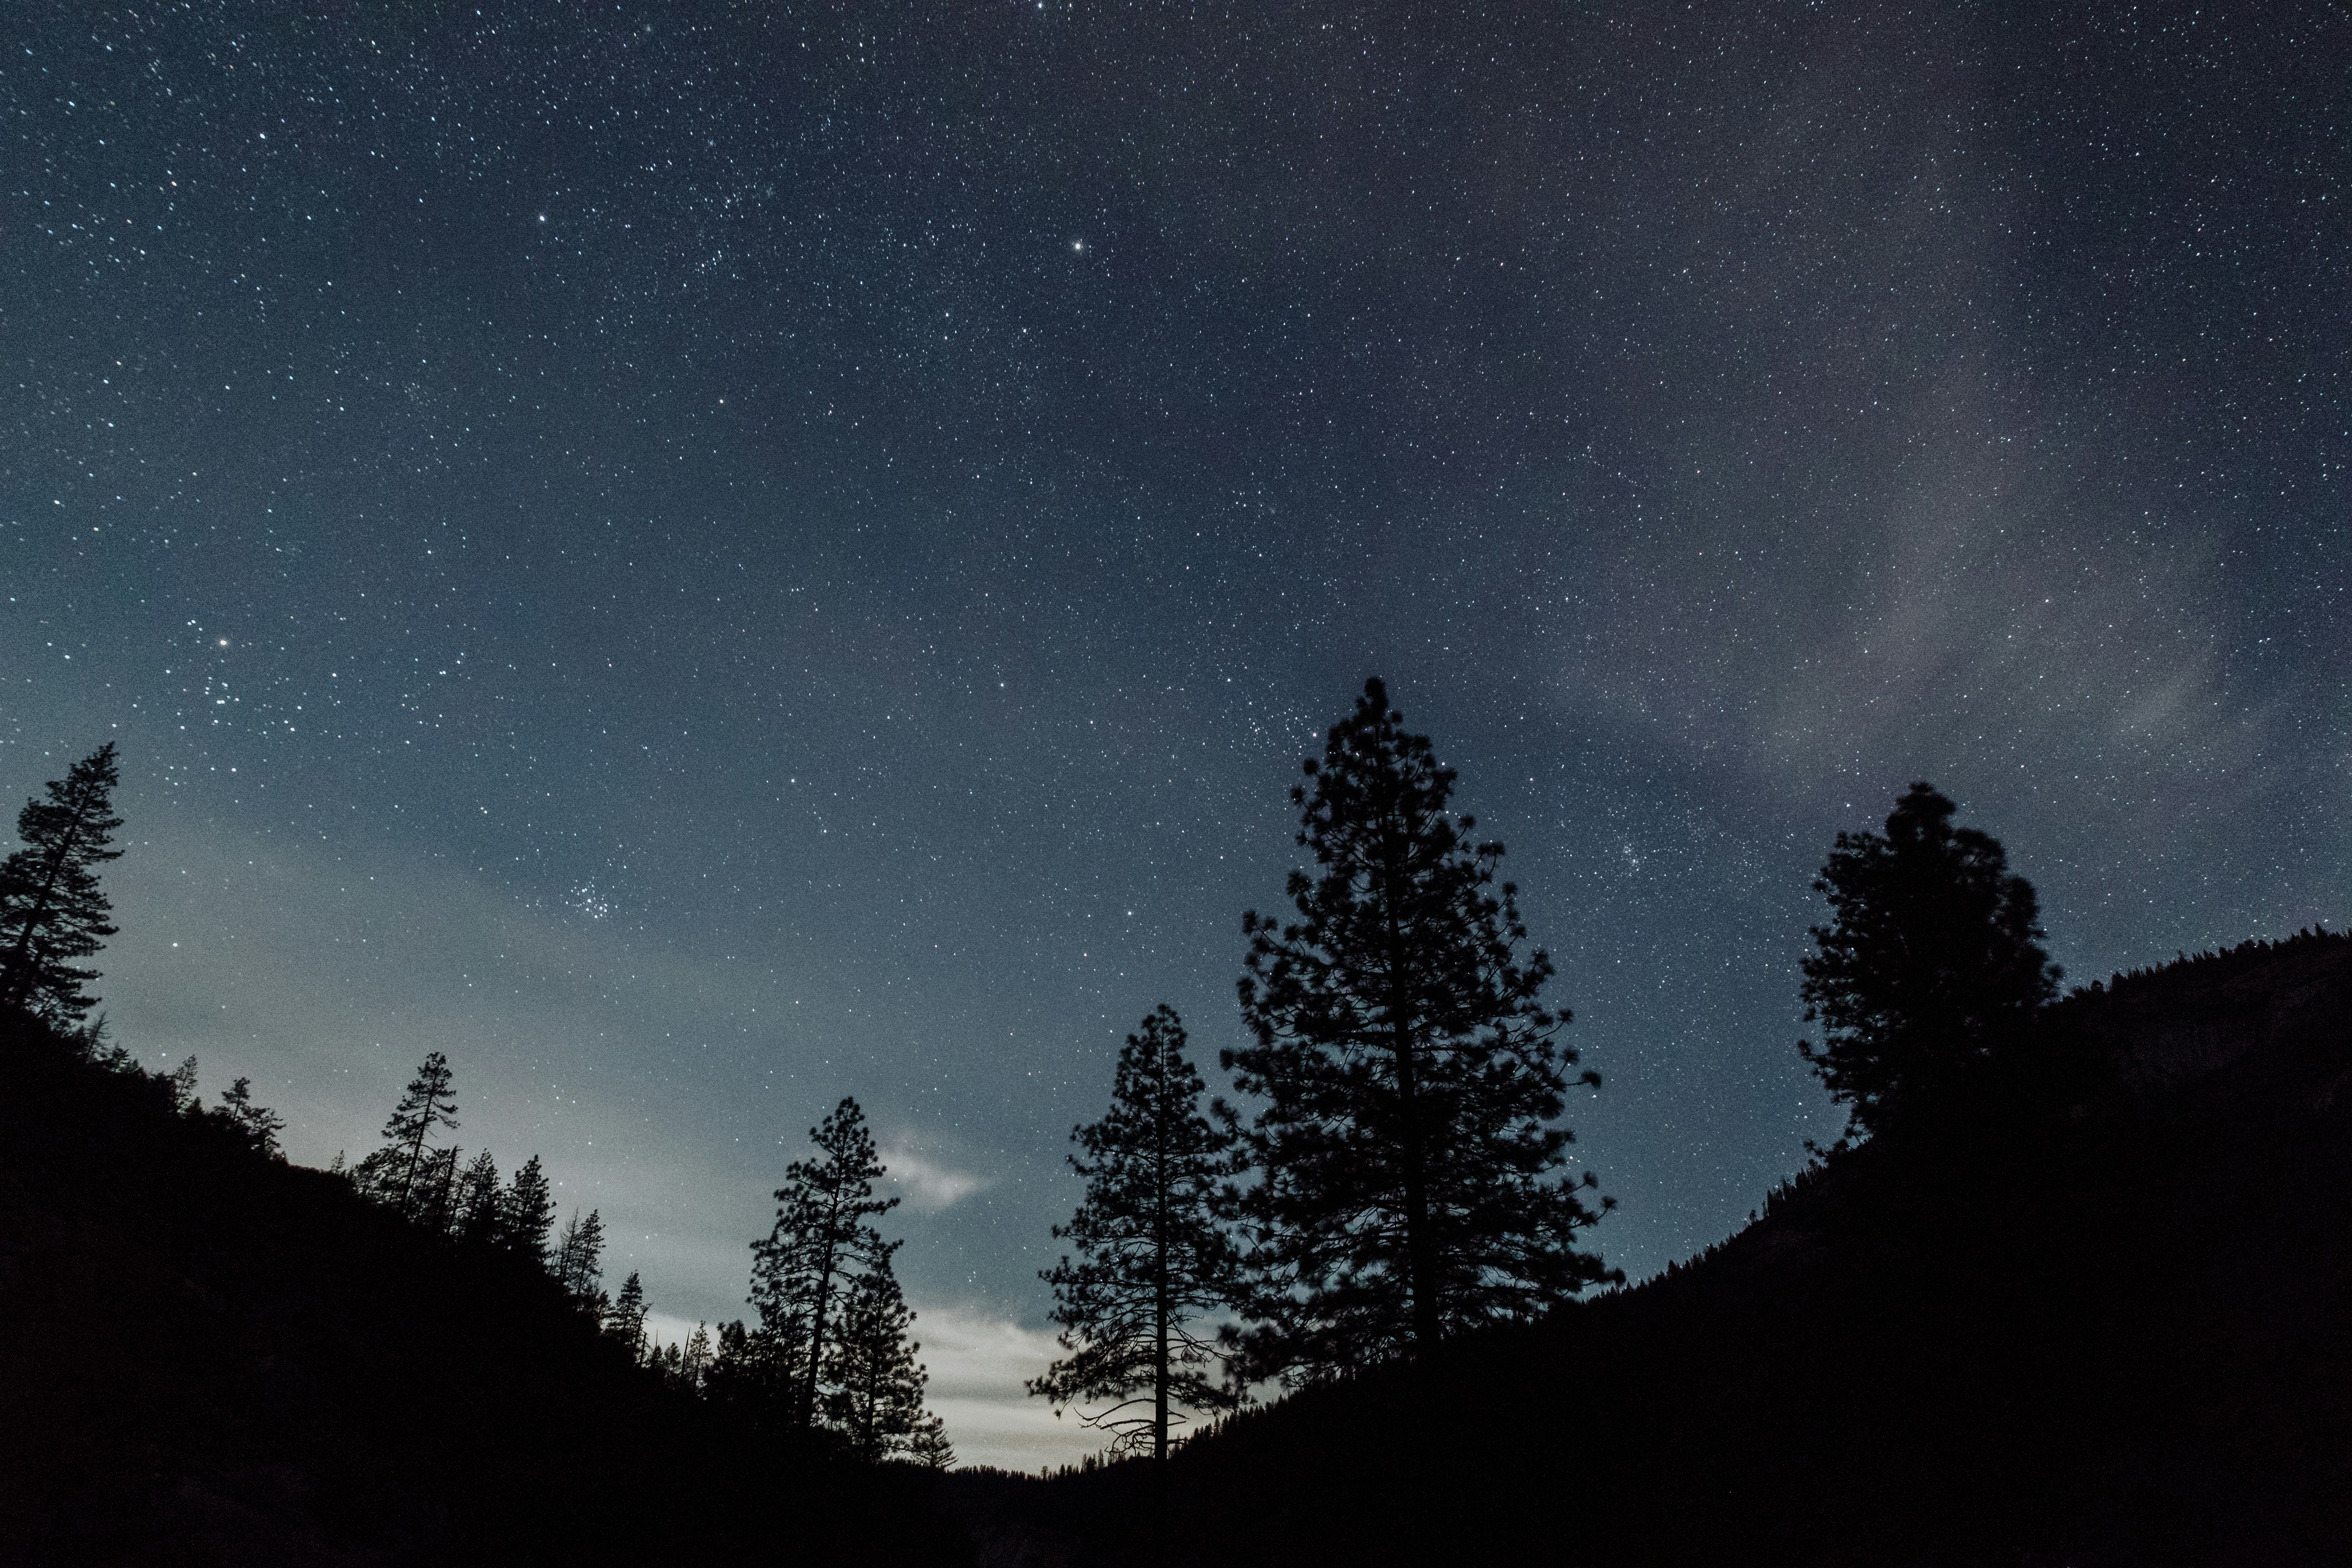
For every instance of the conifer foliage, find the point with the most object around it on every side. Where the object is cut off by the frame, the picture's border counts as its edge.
(182, 1086)
(258, 1124)
(928, 1446)
(694, 1361)
(476, 1218)
(1932, 956)
(52, 911)
(464, 1203)
(820, 1247)
(433, 1202)
(832, 1350)
(1153, 1259)
(626, 1320)
(579, 1263)
(1410, 1161)
(870, 1394)
(527, 1212)
(873, 1385)
(400, 1172)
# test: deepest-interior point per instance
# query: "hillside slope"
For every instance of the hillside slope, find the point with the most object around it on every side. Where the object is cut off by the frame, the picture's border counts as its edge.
(209, 1358)
(2103, 1316)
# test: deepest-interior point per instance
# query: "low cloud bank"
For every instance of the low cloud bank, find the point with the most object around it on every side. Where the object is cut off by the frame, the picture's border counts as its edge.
(979, 1364)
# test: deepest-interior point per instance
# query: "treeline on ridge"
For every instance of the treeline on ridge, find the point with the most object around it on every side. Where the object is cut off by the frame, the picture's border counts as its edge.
(1390, 1180)
(831, 1362)
(1396, 1176)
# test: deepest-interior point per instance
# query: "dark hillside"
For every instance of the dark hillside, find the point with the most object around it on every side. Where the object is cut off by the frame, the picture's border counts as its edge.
(206, 1357)
(2101, 1316)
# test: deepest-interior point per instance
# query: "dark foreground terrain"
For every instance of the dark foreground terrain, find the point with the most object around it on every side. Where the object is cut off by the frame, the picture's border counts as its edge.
(2102, 1314)
(2099, 1314)
(206, 1357)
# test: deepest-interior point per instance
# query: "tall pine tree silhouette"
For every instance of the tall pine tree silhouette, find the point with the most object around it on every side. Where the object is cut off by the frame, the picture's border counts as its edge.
(580, 1256)
(696, 1360)
(397, 1170)
(626, 1322)
(820, 1243)
(527, 1212)
(1153, 1260)
(52, 911)
(477, 1218)
(433, 1202)
(873, 1385)
(1411, 1163)
(258, 1124)
(1934, 954)
(183, 1086)
(928, 1446)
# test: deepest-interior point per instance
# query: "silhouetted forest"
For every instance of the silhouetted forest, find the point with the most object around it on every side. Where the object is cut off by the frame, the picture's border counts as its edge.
(2094, 1308)
(208, 1355)
(2076, 1286)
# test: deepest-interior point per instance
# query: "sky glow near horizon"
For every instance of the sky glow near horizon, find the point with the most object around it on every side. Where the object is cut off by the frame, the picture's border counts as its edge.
(704, 562)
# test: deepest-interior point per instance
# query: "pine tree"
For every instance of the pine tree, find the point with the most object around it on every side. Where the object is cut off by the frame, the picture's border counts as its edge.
(52, 911)
(1410, 1167)
(93, 1042)
(527, 1213)
(580, 1256)
(377, 1176)
(727, 1379)
(258, 1124)
(477, 1218)
(1934, 956)
(183, 1084)
(1153, 1258)
(928, 1446)
(433, 1202)
(695, 1361)
(754, 1372)
(626, 1322)
(820, 1243)
(873, 1385)
(407, 1147)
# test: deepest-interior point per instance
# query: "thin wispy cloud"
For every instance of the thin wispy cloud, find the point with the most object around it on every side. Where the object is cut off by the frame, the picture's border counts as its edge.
(926, 1184)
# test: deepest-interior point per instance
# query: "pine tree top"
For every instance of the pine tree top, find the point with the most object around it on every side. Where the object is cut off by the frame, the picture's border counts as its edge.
(53, 912)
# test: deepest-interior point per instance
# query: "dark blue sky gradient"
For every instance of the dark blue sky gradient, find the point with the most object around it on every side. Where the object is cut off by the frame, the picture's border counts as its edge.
(702, 566)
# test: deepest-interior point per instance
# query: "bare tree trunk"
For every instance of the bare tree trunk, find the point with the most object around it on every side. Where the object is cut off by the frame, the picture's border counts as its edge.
(816, 1317)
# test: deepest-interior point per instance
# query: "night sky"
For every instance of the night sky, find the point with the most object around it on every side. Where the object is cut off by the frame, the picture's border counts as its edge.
(704, 560)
